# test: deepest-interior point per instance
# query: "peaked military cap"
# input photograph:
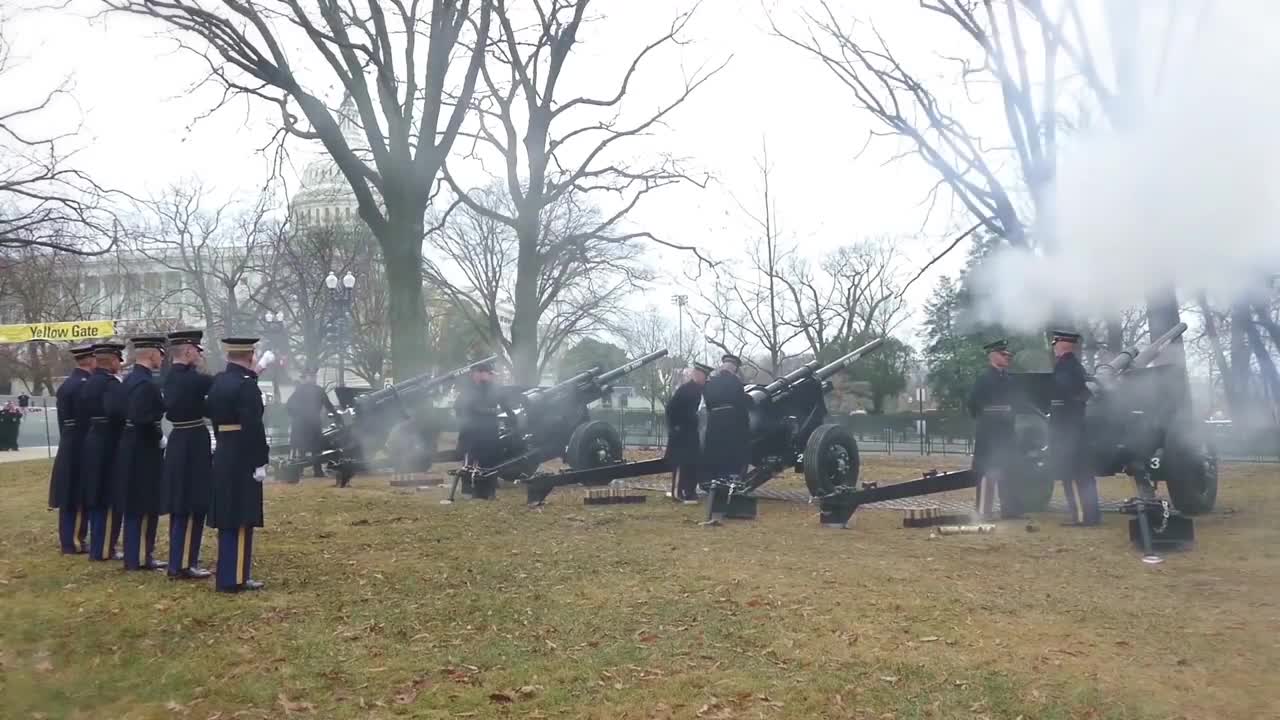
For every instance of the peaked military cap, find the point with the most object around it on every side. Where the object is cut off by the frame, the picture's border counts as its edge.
(484, 366)
(731, 358)
(80, 352)
(109, 348)
(1064, 336)
(1001, 345)
(186, 337)
(239, 344)
(704, 369)
(143, 342)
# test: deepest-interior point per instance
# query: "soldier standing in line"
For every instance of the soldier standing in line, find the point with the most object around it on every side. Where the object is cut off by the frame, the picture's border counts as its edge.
(240, 458)
(97, 460)
(139, 470)
(726, 448)
(1068, 449)
(683, 444)
(187, 457)
(64, 483)
(995, 441)
(308, 408)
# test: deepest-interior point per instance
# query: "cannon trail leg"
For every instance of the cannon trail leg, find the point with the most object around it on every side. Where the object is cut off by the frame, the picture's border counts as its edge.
(1144, 533)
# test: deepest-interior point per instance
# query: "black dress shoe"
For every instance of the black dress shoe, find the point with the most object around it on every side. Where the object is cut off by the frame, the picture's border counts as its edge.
(190, 574)
(252, 585)
(155, 565)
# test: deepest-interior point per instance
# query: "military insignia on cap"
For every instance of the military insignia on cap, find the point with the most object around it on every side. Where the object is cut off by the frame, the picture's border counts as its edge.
(239, 344)
(1065, 336)
(1001, 345)
(154, 342)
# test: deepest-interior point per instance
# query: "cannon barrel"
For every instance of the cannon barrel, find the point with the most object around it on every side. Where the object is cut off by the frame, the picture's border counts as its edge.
(411, 389)
(826, 371)
(565, 384)
(630, 367)
(1133, 357)
(791, 378)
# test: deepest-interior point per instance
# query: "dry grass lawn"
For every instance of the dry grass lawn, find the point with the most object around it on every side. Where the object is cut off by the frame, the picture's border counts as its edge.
(382, 603)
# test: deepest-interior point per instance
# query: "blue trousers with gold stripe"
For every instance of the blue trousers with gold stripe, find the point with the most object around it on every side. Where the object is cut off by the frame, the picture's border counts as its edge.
(73, 530)
(235, 556)
(185, 534)
(1082, 499)
(139, 540)
(104, 533)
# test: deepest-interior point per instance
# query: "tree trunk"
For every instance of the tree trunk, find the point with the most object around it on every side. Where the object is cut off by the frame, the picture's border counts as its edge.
(1241, 368)
(1219, 356)
(1266, 365)
(524, 324)
(402, 257)
(1162, 315)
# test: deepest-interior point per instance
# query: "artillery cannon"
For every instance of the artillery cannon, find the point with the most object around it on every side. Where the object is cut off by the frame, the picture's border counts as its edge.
(554, 422)
(785, 417)
(394, 418)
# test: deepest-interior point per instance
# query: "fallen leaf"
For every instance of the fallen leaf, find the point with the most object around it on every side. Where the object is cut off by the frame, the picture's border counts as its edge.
(500, 698)
(291, 706)
(44, 666)
(528, 691)
(931, 638)
(889, 678)
(174, 707)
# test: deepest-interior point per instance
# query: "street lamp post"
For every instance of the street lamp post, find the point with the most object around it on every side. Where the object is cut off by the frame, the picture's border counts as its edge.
(273, 323)
(340, 294)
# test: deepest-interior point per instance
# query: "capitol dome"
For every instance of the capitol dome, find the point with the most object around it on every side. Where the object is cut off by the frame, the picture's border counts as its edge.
(325, 196)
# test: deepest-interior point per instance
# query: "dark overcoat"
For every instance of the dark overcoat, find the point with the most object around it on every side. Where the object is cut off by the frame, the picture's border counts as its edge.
(234, 405)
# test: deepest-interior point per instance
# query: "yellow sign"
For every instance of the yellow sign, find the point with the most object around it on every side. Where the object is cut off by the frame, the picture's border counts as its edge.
(69, 332)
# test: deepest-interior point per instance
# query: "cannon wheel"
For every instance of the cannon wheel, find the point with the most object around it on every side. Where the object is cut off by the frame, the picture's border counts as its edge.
(830, 459)
(409, 449)
(344, 472)
(1191, 475)
(593, 444)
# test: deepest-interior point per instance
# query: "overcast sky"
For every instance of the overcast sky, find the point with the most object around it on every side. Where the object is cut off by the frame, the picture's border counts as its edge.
(135, 104)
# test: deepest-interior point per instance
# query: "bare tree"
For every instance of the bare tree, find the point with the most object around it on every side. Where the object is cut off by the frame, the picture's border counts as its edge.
(220, 253)
(45, 202)
(551, 151)
(648, 331)
(1002, 36)
(398, 64)
(582, 275)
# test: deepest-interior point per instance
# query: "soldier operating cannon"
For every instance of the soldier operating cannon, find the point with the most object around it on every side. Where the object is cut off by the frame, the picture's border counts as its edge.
(368, 419)
(554, 422)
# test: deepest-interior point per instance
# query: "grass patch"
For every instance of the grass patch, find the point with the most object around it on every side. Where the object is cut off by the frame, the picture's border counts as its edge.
(382, 603)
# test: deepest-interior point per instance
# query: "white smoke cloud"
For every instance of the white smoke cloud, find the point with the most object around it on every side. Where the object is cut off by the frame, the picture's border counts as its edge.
(1189, 197)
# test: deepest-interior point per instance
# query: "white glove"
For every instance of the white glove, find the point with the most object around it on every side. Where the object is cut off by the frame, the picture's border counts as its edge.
(164, 441)
(260, 474)
(267, 358)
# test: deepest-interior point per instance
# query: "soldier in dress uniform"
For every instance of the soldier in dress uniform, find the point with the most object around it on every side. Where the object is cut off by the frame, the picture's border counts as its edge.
(1068, 451)
(683, 446)
(234, 405)
(308, 408)
(726, 447)
(991, 404)
(477, 408)
(64, 483)
(139, 471)
(187, 456)
(97, 460)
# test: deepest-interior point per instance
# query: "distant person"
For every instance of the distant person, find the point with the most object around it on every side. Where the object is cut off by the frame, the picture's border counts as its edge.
(726, 448)
(683, 444)
(991, 404)
(10, 425)
(309, 410)
(188, 456)
(1068, 449)
(477, 407)
(240, 458)
(64, 483)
